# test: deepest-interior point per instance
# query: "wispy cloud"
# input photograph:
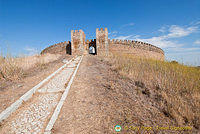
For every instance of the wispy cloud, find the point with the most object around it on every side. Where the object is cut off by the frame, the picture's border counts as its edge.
(183, 49)
(160, 41)
(162, 29)
(177, 31)
(197, 23)
(128, 37)
(173, 32)
(197, 42)
(31, 50)
(127, 25)
(113, 34)
(186, 57)
(124, 37)
(169, 40)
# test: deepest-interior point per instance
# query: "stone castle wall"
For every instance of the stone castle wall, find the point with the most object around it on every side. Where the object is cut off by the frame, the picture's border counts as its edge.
(80, 45)
(77, 40)
(59, 48)
(102, 39)
(136, 44)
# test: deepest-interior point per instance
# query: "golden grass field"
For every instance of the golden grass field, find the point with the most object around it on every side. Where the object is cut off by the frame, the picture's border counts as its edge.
(175, 87)
(13, 68)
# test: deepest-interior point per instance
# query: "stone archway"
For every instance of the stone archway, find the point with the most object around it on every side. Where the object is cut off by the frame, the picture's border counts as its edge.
(93, 44)
(69, 48)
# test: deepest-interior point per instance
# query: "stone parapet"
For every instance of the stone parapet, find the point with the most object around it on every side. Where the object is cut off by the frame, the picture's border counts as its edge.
(102, 39)
(137, 44)
(78, 41)
(58, 48)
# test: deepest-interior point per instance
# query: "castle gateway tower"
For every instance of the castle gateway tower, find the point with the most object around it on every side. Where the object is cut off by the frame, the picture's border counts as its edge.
(77, 41)
(79, 45)
(102, 39)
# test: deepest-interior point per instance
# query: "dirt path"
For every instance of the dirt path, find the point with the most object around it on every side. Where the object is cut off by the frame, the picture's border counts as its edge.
(81, 113)
(100, 98)
(33, 116)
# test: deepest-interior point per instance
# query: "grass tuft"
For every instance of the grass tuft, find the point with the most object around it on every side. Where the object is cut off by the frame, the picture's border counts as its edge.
(12, 68)
(176, 87)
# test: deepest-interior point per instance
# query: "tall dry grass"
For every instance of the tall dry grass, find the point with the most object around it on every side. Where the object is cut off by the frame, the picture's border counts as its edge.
(14, 68)
(175, 87)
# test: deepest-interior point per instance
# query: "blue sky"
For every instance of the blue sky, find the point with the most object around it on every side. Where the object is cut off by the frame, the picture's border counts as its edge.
(28, 26)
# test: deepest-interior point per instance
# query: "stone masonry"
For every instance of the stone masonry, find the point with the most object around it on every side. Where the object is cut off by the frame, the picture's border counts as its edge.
(102, 39)
(79, 45)
(58, 48)
(77, 41)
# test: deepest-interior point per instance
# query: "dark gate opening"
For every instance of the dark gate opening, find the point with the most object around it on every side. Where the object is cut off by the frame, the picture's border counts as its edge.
(68, 48)
(92, 43)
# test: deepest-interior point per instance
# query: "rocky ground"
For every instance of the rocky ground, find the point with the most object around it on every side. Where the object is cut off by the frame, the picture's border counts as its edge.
(100, 98)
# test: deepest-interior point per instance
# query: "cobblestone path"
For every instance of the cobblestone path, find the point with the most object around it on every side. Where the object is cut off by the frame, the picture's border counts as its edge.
(33, 116)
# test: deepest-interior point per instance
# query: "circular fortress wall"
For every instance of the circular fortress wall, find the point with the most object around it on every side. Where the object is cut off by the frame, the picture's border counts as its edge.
(136, 48)
(59, 48)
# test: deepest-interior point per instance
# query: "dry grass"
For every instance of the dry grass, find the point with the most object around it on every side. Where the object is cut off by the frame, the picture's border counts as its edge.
(14, 68)
(175, 87)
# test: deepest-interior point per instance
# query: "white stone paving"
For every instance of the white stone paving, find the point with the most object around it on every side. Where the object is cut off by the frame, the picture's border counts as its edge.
(58, 83)
(33, 117)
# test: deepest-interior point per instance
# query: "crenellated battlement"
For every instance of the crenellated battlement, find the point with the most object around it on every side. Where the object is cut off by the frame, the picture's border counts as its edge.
(137, 44)
(102, 30)
(58, 48)
(102, 39)
(78, 40)
(76, 31)
(80, 45)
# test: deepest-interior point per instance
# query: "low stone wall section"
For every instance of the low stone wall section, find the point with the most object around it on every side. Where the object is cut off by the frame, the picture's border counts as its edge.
(59, 48)
(136, 44)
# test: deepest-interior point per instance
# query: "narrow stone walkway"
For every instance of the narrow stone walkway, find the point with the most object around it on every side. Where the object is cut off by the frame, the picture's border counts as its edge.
(33, 116)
